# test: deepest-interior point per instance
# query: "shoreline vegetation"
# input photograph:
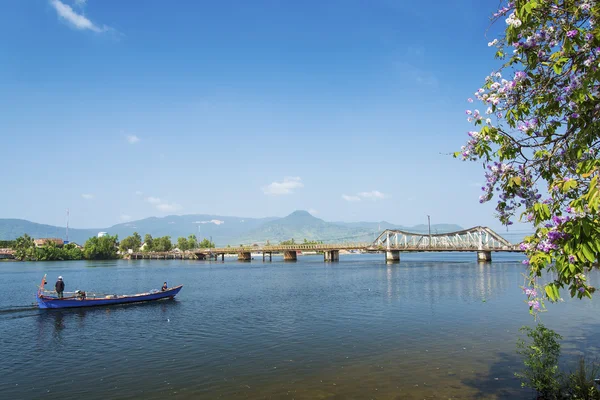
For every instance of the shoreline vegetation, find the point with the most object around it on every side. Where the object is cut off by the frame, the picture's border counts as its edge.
(105, 247)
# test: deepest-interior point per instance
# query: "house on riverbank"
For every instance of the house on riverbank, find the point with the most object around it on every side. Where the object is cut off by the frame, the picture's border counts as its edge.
(44, 241)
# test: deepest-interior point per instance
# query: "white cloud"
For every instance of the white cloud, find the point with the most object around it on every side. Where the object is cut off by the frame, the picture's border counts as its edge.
(87, 196)
(212, 221)
(312, 211)
(80, 3)
(168, 207)
(139, 192)
(153, 200)
(163, 205)
(124, 217)
(350, 198)
(373, 194)
(286, 187)
(132, 139)
(78, 21)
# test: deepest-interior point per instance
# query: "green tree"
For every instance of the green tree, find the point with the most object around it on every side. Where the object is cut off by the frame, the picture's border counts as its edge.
(192, 242)
(206, 244)
(72, 252)
(149, 242)
(539, 138)
(101, 248)
(49, 252)
(541, 361)
(182, 243)
(24, 248)
(132, 242)
(288, 242)
(162, 244)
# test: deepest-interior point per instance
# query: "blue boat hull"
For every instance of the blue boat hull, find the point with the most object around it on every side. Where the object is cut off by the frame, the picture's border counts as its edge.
(72, 302)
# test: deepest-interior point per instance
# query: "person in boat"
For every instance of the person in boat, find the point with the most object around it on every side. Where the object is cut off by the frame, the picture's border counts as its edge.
(164, 287)
(59, 286)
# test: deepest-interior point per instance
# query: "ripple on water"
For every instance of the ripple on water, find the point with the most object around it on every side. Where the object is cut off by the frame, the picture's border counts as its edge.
(430, 327)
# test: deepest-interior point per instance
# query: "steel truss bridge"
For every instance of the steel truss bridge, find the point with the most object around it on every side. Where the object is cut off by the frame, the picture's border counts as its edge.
(479, 239)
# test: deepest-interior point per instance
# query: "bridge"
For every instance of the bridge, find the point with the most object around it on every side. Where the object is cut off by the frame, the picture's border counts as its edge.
(480, 240)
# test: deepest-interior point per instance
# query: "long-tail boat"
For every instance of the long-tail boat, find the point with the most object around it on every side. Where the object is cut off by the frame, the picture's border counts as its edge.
(49, 299)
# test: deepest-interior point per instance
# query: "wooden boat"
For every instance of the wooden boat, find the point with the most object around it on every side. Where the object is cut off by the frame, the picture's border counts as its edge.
(45, 299)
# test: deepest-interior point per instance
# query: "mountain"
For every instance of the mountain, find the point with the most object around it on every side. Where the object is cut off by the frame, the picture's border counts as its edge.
(299, 225)
(13, 228)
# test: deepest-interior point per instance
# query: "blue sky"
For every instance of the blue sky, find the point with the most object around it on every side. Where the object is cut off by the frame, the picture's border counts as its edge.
(122, 110)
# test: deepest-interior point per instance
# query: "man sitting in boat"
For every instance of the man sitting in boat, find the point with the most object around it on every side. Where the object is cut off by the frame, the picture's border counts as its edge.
(164, 287)
(80, 294)
(59, 286)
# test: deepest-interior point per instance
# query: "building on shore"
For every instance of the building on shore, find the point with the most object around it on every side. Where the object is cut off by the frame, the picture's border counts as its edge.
(44, 241)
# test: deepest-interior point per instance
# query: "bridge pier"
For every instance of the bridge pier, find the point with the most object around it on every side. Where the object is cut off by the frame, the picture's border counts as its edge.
(392, 256)
(484, 256)
(270, 255)
(290, 255)
(244, 256)
(331, 255)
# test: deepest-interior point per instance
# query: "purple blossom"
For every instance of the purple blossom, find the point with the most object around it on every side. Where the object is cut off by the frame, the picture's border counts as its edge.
(571, 259)
(572, 34)
(525, 262)
(581, 289)
(535, 304)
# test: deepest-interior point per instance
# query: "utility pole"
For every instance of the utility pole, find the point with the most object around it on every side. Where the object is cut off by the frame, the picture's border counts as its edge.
(67, 225)
(429, 224)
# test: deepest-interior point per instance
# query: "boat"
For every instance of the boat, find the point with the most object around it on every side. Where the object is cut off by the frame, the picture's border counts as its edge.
(48, 299)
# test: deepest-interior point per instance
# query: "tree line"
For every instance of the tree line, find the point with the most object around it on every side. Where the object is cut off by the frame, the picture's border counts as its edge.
(95, 248)
(134, 243)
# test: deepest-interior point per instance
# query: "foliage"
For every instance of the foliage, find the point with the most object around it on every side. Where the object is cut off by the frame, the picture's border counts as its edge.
(206, 244)
(7, 244)
(24, 248)
(192, 242)
(182, 243)
(288, 242)
(541, 131)
(580, 384)
(132, 242)
(541, 361)
(101, 248)
(309, 242)
(161, 244)
(148, 241)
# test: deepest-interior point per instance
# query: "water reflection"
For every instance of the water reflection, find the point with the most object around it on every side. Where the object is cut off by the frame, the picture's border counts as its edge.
(360, 328)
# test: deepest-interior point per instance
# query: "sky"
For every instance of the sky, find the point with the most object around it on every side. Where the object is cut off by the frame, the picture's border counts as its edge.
(121, 110)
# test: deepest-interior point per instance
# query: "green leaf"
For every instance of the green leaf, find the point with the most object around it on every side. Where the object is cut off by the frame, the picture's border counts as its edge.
(587, 252)
(586, 228)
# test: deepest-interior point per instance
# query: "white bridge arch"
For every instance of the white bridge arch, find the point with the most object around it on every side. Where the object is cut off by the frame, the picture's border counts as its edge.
(479, 238)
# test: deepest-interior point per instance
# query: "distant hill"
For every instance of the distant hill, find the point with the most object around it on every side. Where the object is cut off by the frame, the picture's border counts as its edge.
(299, 225)
(13, 228)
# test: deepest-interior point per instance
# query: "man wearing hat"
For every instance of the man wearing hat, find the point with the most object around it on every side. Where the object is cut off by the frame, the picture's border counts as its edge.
(60, 287)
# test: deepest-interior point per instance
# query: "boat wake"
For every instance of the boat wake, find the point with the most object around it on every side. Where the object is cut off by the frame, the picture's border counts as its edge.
(17, 309)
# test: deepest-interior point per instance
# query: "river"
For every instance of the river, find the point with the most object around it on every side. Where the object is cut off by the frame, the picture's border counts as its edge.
(433, 326)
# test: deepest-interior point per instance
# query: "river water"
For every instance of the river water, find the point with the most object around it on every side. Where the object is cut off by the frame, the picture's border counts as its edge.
(433, 326)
